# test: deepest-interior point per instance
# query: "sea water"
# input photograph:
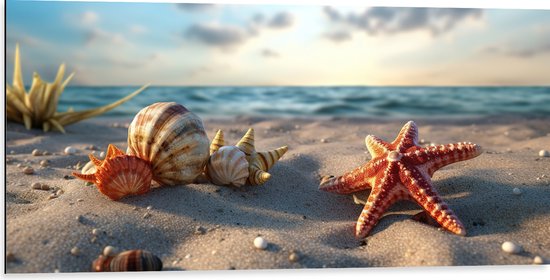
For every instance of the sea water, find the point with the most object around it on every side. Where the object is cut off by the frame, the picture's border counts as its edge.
(364, 101)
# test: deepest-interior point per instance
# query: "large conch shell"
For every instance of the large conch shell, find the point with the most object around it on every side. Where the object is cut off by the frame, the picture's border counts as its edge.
(227, 166)
(172, 139)
(37, 108)
(258, 162)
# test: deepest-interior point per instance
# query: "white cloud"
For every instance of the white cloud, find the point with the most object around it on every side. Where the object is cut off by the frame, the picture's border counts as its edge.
(89, 18)
(138, 29)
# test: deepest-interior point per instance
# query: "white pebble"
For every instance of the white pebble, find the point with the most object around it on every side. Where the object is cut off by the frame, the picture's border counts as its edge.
(36, 186)
(75, 251)
(544, 153)
(95, 231)
(28, 170)
(69, 150)
(36, 152)
(260, 243)
(323, 140)
(538, 260)
(102, 154)
(44, 163)
(188, 256)
(149, 207)
(511, 247)
(516, 191)
(109, 251)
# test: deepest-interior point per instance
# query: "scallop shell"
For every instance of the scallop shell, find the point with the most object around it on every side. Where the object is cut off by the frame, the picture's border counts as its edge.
(228, 166)
(132, 260)
(119, 175)
(172, 139)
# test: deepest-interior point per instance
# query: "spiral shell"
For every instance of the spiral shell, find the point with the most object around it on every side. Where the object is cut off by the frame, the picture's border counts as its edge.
(119, 175)
(227, 166)
(132, 260)
(172, 139)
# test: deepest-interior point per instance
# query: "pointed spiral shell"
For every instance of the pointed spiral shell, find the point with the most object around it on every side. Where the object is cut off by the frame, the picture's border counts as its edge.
(227, 166)
(262, 162)
(132, 260)
(172, 139)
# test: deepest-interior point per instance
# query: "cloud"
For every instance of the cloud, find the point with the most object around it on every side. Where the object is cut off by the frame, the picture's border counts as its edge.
(89, 17)
(518, 52)
(216, 35)
(338, 36)
(227, 36)
(281, 20)
(195, 7)
(138, 29)
(96, 35)
(269, 53)
(389, 21)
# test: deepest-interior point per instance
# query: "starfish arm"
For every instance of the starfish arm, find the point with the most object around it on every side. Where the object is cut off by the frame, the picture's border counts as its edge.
(382, 196)
(407, 137)
(376, 146)
(356, 180)
(425, 195)
(436, 157)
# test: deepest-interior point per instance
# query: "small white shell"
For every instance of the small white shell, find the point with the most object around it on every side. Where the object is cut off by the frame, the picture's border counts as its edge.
(70, 150)
(228, 166)
(260, 243)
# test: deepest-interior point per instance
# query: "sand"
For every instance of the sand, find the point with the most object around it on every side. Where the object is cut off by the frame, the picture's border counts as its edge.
(288, 211)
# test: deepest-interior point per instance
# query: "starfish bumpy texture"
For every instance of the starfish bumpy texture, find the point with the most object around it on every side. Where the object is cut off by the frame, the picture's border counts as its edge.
(402, 170)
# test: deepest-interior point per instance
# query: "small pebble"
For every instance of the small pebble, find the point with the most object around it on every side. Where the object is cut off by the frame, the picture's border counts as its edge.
(323, 140)
(69, 150)
(12, 152)
(91, 147)
(146, 215)
(59, 192)
(516, 191)
(109, 251)
(28, 170)
(102, 154)
(52, 196)
(149, 207)
(46, 153)
(36, 186)
(293, 257)
(188, 256)
(75, 251)
(44, 163)
(95, 231)
(79, 218)
(36, 152)
(214, 252)
(511, 247)
(260, 243)
(45, 187)
(200, 230)
(79, 200)
(19, 165)
(544, 153)
(10, 257)
(538, 260)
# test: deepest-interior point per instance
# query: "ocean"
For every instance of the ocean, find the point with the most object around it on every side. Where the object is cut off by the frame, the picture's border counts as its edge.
(391, 102)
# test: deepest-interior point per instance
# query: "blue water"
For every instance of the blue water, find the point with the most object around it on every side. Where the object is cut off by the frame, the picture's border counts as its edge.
(322, 101)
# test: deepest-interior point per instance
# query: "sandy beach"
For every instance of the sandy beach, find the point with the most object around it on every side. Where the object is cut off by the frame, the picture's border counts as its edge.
(209, 227)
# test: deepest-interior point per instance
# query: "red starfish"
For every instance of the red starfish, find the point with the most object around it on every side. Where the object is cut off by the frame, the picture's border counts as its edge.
(401, 170)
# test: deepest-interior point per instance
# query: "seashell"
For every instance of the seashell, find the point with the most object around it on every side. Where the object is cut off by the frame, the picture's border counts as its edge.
(259, 162)
(227, 166)
(217, 142)
(37, 107)
(119, 175)
(132, 260)
(172, 139)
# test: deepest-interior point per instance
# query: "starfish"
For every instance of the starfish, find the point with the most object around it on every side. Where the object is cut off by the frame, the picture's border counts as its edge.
(402, 170)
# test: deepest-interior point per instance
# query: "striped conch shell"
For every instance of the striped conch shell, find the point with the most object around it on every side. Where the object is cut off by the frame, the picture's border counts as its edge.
(227, 166)
(172, 139)
(258, 162)
(119, 175)
(132, 260)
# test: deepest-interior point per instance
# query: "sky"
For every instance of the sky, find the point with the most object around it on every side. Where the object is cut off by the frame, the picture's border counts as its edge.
(171, 44)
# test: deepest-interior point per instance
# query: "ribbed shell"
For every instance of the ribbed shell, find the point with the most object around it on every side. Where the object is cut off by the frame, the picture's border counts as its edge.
(133, 260)
(123, 175)
(228, 166)
(172, 139)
